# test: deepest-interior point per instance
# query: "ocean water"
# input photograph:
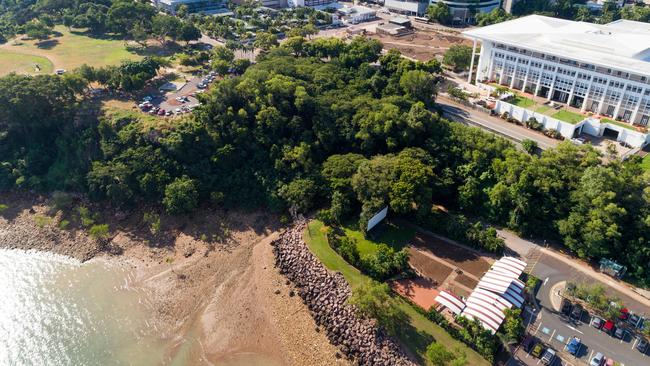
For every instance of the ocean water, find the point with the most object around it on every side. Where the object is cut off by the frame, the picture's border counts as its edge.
(57, 311)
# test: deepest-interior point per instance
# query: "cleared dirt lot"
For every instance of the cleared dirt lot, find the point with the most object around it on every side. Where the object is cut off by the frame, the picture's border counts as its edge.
(455, 255)
(427, 267)
(419, 290)
(422, 45)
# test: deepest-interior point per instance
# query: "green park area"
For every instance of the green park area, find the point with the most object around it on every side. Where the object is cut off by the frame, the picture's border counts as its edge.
(562, 114)
(64, 50)
(419, 332)
(391, 234)
(24, 64)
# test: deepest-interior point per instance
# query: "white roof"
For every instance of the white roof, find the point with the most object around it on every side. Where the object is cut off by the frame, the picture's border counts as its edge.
(622, 45)
(450, 301)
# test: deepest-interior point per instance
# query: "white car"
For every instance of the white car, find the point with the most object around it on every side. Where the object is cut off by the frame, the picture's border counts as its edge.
(597, 360)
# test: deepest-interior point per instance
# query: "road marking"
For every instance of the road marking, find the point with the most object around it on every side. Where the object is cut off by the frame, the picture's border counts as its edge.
(536, 330)
(551, 337)
(545, 280)
(591, 354)
(574, 329)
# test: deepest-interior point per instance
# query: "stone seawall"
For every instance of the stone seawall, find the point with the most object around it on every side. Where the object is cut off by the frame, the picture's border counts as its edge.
(325, 294)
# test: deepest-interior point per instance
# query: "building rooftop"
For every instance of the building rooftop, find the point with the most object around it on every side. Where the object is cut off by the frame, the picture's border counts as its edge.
(622, 44)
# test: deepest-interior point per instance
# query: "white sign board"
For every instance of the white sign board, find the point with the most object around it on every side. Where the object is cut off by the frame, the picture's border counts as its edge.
(377, 218)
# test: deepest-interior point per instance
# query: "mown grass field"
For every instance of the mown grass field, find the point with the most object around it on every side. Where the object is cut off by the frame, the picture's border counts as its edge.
(69, 50)
(390, 234)
(24, 64)
(419, 332)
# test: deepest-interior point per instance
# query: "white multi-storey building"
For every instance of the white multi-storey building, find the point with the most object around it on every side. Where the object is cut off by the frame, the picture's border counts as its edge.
(604, 69)
(465, 10)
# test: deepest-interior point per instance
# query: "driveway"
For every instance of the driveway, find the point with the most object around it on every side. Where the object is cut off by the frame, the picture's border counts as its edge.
(460, 113)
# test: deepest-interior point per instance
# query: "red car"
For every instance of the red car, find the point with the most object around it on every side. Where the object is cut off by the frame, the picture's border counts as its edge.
(609, 327)
(624, 314)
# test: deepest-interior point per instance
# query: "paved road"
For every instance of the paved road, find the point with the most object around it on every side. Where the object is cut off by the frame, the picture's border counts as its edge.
(460, 113)
(555, 329)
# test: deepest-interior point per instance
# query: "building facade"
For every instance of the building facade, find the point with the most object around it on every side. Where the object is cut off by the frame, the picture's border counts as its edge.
(465, 10)
(407, 7)
(604, 69)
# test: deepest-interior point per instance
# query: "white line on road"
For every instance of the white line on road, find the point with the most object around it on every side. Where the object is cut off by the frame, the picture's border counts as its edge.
(551, 337)
(545, 280)
(572, 328)
(634, 344)
(536, 330)
(591, 354)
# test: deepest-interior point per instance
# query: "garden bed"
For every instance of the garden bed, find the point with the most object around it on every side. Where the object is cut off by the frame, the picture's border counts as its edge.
(465, 259)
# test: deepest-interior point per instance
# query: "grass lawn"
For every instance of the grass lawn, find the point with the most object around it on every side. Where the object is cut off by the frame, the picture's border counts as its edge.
(569, 117)
(23, 64)
(542, 109)
(389, 233)
(522, 102)
(645, 163)
(419, 332)
(620, 124)
(73, 49)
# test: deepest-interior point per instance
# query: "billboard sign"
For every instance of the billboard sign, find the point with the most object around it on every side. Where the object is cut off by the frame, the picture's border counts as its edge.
(377, 218)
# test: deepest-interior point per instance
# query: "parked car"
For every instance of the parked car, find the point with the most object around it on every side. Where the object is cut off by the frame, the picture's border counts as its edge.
(574, 346)
(161, 112)
(620, 333)
(597, 360)
(537, 350)
(201, 86)
(634, 320)
(609, 327)
(579, 140)
(60, 71)
(528, 343)
(168, 113)
(597, 322)
(576, 313)
(609, 362)
(642, 344)
(549, 356)
(566, 307)
(177, 110)
(624, 314)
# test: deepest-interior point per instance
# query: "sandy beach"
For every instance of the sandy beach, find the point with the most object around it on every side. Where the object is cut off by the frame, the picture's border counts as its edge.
(214, 291)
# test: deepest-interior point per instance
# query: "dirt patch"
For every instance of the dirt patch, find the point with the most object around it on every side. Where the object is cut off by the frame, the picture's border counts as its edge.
(422, 45)
(427, 267)
(458, 256)
(465, 280)
(216, 296)
(419, 290)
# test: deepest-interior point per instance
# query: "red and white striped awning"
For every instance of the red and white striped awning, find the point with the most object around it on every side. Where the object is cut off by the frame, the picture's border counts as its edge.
(487, 308)
(509, 266)
(450, 301)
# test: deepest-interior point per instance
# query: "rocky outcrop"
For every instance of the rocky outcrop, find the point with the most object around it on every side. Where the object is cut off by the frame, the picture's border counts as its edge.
(325, 294)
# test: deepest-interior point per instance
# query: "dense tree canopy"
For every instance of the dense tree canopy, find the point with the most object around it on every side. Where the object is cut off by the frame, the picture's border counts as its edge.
(322, 124)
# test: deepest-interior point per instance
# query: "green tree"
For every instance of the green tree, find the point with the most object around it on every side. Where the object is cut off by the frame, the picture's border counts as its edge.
(458, 57)
(164, 26)
(513, 325)
(529, 146)
(374, 300)
(181, 196)
(439, 355)
(188, 32)
(265, 41)
(420, 85)
(440, 13)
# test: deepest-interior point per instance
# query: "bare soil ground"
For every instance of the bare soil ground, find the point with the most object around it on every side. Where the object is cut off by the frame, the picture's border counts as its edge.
(427, 267)
(420, 291)
(465, 280)
(455, 255)
(422, 45)
(211, 279)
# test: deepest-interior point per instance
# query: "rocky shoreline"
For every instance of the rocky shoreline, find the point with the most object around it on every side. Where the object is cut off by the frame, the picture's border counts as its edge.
(326, 294)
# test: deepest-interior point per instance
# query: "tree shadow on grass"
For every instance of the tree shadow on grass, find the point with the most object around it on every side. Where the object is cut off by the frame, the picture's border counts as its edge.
(414, 341)
(47, 44)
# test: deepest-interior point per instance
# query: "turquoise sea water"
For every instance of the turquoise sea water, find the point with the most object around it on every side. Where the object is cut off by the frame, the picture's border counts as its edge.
(57, 311)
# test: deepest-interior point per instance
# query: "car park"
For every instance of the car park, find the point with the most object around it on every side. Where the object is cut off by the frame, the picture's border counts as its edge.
(574, 346)
(597, 322)
(642, 344)
(597, 360)
(549, 356)
(576, 313)
(566, 307)
(537, 350)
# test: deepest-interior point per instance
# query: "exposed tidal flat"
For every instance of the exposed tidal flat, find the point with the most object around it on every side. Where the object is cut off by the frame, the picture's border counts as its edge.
(167, 299)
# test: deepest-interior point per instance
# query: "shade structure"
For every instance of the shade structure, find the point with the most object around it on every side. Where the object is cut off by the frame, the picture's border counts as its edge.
(499, 289)
(450, 301)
